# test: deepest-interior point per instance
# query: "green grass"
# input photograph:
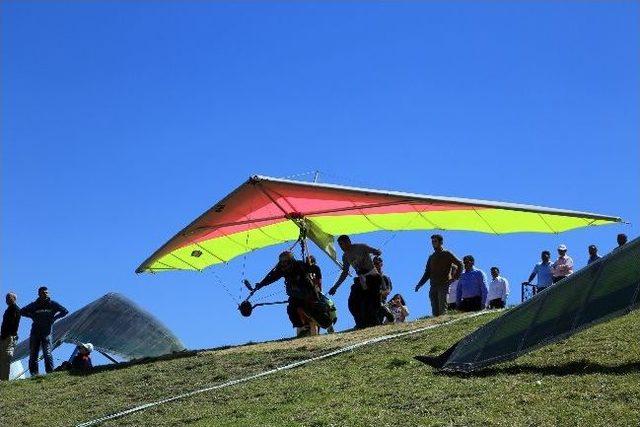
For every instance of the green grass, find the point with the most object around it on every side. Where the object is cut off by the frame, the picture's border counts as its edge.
(591, 379)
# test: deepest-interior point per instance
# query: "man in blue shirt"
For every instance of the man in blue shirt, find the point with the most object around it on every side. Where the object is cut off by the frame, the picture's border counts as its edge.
(43, 311)
(593, 254)
(544, 272)
(472, 287)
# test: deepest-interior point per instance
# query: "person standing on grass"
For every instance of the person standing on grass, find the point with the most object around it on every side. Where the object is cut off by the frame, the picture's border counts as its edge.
(472, 287)
(8, 334)
(364, 298)
(593, 254)
(544, 272)
(498, 290)
(622, 240)
(44, 312)
(563, 266)
(439, 271)
(452, 294)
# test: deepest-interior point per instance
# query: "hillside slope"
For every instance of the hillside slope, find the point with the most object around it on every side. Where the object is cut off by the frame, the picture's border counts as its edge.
(591, 379)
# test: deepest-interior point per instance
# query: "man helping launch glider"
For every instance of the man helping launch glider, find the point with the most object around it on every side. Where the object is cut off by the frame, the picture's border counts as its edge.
(364, 299)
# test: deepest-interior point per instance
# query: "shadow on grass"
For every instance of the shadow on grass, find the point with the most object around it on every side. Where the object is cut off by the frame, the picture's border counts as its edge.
(191, 353)
(143, 361)
(172, 356)
(166, 357)
(571, 368)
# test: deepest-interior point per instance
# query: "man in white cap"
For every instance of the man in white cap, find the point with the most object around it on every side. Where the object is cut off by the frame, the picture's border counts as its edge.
(81, 358)
(563, 266)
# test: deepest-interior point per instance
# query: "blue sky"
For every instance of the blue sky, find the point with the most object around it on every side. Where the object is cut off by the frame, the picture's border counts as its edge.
(123, 121)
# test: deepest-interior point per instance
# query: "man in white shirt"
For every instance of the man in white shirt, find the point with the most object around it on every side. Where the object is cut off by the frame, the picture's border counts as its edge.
(498, 290)
(453, 292)
(563, 266)
(451, 296)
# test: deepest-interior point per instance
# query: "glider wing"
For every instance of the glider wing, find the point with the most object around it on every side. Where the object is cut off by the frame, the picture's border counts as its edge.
(266, 211)
(113, 324)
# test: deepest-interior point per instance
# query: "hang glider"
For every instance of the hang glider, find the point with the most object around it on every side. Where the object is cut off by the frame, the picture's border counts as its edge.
(605, 289)
(267, 211)
(113, 324)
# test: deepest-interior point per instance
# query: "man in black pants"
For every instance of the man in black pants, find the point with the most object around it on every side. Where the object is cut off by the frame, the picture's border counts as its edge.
(364, 299)
(44, 312)
(472, 287)
(498, 290)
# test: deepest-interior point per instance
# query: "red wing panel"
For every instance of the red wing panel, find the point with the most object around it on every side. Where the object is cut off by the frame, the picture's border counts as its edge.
(329, 201)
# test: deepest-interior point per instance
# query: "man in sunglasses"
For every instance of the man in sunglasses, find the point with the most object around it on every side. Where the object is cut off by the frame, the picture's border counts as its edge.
(563, 266)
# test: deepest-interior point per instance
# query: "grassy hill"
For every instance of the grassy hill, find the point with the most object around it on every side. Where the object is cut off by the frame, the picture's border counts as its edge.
(591, 379)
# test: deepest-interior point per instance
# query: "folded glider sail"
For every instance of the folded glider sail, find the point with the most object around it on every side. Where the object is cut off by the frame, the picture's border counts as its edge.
(17, 371)
(267, 211)
(113, 324)
(607, 288)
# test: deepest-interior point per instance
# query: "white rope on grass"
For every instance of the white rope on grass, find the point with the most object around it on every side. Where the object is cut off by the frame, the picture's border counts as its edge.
(275, 370)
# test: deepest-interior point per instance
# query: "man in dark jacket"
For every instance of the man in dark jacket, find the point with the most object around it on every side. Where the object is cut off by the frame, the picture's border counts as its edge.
(43, 312)
(304, 301)
(9, 335)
